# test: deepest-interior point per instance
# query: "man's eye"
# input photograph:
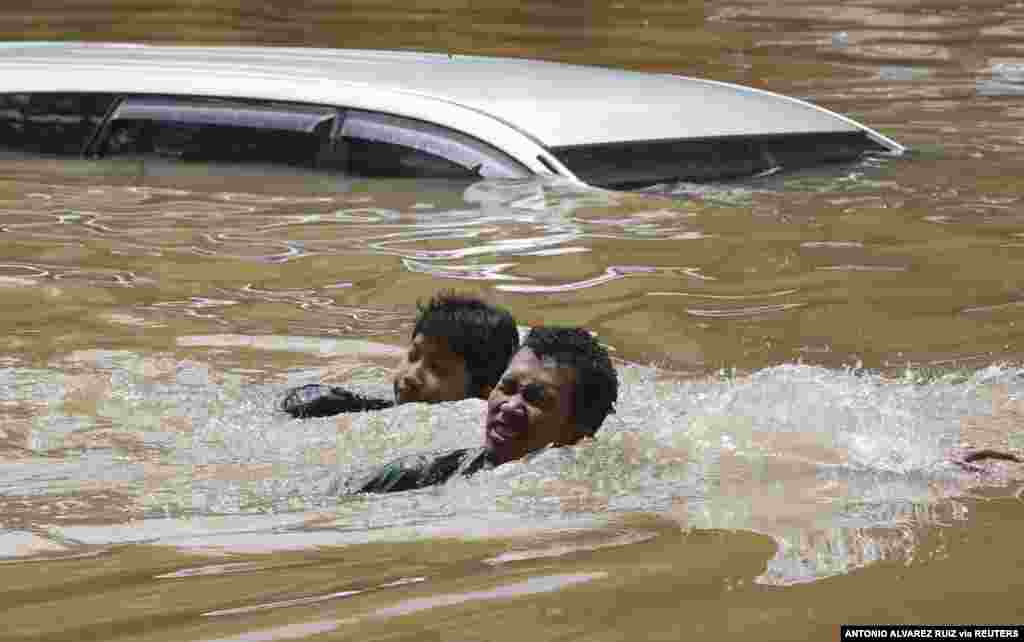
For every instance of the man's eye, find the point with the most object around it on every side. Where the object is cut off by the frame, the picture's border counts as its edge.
(533, 393)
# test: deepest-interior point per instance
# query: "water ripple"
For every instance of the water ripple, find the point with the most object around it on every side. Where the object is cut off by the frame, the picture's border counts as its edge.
(742, 312)
(613, 273)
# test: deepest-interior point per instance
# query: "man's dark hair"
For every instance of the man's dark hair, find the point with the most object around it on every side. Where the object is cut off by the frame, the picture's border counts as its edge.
(483, 334)
(597, 383)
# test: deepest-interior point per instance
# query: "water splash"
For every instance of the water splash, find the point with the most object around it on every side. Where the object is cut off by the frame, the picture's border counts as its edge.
(839, 467)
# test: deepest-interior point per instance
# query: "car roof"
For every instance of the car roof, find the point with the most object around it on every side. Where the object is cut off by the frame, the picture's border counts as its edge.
(501, 100)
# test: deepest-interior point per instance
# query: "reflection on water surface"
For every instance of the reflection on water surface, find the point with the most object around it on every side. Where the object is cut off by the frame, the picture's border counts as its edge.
(842, 249)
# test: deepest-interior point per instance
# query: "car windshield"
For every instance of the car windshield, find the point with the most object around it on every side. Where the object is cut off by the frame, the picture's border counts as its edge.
(631, 165)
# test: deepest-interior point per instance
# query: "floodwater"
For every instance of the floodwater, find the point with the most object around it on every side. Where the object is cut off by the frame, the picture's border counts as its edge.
(801, 356)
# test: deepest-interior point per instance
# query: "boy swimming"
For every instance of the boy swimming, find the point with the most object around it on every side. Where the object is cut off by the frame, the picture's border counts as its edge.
(458, 349)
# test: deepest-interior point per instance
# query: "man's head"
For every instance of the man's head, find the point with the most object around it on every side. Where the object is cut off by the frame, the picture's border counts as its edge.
(459, 347)
(557, 389)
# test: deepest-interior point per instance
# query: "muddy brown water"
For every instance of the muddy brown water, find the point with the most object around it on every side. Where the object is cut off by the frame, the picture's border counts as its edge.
(801, 355)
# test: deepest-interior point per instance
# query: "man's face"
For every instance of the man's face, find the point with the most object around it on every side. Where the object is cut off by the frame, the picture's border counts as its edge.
(531, 407)
(431, 372)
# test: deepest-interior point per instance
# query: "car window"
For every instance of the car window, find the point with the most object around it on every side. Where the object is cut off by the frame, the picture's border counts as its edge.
(377, 144)
(50, 123)
(217, 131)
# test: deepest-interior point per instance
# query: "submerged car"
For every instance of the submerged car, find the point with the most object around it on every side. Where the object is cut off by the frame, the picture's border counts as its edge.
(394, 113)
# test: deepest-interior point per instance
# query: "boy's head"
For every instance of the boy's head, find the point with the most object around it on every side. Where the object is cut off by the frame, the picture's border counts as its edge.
(558, 388)
(459, 347)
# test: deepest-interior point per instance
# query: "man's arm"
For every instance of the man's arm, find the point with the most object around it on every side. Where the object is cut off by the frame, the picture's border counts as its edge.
(318, 400)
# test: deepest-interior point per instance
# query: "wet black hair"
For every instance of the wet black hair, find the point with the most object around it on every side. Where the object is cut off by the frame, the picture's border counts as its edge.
(483, 334)
(597, 383)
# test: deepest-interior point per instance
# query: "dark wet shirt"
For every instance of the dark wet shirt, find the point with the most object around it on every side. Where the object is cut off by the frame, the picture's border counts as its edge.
(421, 470)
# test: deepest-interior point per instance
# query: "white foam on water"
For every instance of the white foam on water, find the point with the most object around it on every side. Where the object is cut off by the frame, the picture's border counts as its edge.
(839, 466)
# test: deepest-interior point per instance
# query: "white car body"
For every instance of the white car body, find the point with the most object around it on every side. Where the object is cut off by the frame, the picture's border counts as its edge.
(525, 108)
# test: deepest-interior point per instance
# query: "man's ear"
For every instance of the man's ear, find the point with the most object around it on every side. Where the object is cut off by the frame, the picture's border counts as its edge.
(484, 392)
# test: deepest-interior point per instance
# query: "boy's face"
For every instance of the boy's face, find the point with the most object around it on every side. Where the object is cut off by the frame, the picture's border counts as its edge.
(431, 372)
(531, 407)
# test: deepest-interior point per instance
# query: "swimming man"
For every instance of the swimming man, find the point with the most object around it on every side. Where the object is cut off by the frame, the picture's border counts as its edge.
(557, 389)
